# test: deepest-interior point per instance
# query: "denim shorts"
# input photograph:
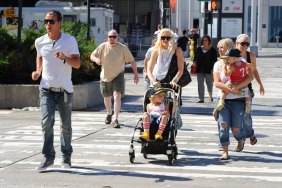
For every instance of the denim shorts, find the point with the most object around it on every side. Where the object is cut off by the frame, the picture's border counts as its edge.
(117, 84)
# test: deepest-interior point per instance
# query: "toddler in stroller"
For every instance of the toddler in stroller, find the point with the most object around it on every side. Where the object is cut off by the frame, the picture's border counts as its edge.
(157, 127)
(157, 114)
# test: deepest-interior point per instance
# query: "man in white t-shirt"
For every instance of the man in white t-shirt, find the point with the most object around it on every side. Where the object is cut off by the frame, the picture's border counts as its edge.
(57, 54)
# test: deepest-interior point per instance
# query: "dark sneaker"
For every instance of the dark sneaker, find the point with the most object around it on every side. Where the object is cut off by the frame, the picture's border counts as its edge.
(45, 163)
(108, 119)
(66, 163)
(115, 124)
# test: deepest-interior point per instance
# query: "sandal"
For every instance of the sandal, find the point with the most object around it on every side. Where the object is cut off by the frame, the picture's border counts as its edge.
(253, 140)
(224, 157)
(220, 148)
(240, 146)
(215, 114)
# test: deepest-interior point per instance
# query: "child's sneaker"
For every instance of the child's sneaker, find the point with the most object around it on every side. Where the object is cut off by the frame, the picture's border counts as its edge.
(220, 105)
(145, 136)
(248, 108)
(158, 136)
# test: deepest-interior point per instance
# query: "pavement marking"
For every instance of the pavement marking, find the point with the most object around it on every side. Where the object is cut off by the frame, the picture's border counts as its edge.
(116, 144)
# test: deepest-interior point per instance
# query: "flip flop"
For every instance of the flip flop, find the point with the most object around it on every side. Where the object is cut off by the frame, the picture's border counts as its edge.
(253, 140)
(224, 157)
(215, 114)
(220, 148)
(240, 145)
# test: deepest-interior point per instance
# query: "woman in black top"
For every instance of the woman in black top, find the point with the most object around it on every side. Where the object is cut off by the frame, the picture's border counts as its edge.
(205, 58)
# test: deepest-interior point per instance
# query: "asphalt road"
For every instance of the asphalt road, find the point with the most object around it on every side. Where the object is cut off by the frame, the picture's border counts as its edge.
(101, 159)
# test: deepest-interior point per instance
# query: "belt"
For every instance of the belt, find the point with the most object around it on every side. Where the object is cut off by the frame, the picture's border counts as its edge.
(236, 100)
(55, 89)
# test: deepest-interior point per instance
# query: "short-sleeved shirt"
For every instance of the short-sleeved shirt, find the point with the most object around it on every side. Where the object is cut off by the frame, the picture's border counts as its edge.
(113, 59)
(240, 72)
(182, 42)
(56, 73)
(149, 53)
(219, 69)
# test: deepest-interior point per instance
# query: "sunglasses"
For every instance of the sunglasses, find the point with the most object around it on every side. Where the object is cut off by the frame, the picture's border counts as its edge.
(165, 38)
(51, 21)
(112, 37)
(244, 44)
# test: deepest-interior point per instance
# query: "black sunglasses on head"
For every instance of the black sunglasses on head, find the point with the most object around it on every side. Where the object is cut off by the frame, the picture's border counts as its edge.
(165, 38)
(113, 37)
(51, 21)
(244, 44)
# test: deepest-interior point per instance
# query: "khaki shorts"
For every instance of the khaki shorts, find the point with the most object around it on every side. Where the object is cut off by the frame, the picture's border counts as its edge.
(117, 84)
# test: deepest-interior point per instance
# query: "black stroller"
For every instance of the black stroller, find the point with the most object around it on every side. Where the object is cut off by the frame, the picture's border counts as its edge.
(168, 145)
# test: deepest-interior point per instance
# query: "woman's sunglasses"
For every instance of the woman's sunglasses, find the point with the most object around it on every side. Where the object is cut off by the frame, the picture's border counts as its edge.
(51, 21)
(165, 38)
(244, 44)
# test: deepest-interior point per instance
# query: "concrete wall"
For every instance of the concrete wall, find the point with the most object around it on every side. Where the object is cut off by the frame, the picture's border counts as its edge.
(20, 96)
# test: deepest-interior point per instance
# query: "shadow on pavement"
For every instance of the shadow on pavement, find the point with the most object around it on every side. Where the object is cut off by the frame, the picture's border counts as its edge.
(95, 171)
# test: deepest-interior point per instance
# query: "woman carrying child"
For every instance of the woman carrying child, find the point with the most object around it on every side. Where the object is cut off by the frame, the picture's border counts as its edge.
(236, 70)
(231, 115)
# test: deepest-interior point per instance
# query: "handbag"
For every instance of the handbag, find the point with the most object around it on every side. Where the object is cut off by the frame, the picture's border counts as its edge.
(172, 71)
(193, 69)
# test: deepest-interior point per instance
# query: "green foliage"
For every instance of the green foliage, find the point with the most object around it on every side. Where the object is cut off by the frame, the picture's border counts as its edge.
(88, 71)
(7, 43)
(16, 65)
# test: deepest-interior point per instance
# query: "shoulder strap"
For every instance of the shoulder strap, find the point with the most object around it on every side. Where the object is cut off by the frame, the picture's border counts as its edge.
(248, 57)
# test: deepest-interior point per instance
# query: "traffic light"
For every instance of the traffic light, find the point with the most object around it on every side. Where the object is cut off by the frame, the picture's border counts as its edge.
(215, 4)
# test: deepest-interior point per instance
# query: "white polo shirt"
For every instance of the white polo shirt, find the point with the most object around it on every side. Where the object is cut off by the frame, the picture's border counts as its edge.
(55, 72)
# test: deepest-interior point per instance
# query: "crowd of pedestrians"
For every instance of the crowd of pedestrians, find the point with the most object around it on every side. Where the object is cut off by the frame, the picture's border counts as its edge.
(57, 54)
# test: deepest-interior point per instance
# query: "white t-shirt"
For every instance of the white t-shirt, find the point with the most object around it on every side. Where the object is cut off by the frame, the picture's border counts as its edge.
(162, 65)
(149, 53)
(217, 68)
(56, 73)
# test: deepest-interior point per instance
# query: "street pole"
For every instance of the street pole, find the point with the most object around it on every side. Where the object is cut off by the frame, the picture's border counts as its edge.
(88, 19)
(206, 11)
(161, 6)
(20, 24)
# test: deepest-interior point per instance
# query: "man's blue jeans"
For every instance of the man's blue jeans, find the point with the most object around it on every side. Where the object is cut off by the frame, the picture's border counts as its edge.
(232, 114)
(49, 102)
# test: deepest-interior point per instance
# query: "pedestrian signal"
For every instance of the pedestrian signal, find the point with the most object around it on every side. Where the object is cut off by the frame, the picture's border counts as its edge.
(10, 12)
(215, 4)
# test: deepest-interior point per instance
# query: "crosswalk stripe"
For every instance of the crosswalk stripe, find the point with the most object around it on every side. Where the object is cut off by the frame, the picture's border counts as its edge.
(116, 143)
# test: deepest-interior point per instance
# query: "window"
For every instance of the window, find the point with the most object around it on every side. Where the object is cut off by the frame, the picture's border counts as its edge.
(275, 23)
(69, 18)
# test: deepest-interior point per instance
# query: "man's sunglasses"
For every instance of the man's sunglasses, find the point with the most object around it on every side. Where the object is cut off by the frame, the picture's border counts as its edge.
(112, 37)
(51, 21)
(165, 38)
(244, 44)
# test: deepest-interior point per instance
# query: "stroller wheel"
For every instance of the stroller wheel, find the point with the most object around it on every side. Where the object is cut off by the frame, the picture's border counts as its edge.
(131, 154)
(131, 158)
(175, 153)
(145, 155)
(170, 159)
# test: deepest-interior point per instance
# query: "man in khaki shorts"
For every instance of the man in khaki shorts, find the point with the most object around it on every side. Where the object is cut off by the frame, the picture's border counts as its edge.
(113, 55)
